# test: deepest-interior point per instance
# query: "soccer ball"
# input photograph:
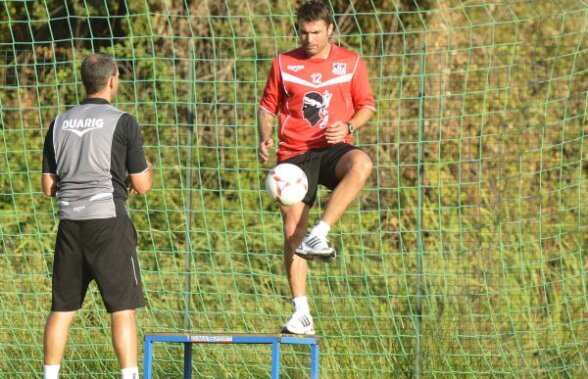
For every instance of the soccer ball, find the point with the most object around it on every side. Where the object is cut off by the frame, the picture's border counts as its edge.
(286, 183)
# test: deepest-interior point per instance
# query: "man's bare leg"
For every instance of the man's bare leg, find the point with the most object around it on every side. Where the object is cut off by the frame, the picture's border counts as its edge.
(54, 341)
(124, 341)
(354, 168)
(295, 219)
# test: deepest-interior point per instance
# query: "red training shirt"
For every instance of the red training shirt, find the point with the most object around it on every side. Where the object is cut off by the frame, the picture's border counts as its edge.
(311, 94)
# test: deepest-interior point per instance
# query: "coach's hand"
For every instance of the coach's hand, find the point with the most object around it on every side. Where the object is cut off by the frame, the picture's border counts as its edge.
(263, 149)
(336, 132)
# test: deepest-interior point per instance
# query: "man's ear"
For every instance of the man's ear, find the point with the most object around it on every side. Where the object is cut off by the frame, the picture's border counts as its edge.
(111, 82)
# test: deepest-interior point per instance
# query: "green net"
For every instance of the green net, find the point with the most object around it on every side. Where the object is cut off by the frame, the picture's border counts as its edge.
(465, 256)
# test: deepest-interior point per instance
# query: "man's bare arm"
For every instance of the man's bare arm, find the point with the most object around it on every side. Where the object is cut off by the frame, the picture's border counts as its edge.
(49, 184)
(141, 183)
(265, 127)
(338, 130)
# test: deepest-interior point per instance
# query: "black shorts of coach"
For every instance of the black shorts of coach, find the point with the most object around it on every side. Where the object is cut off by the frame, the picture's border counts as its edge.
(319, 166)
(103, 250)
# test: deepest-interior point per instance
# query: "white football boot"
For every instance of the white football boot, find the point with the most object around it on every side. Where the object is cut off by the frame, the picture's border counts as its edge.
(299, 323)
(315, 247)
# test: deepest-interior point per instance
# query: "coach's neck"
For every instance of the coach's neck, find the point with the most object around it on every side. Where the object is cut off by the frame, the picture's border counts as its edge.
(109, 91)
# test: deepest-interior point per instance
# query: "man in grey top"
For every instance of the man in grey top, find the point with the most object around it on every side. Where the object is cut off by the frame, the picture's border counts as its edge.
(88, 153)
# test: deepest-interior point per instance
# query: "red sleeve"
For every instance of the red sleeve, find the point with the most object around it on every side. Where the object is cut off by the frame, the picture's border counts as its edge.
(273, 92)
(361, 91)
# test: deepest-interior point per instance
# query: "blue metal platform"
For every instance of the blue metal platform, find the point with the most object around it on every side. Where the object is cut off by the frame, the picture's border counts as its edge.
(267, 339)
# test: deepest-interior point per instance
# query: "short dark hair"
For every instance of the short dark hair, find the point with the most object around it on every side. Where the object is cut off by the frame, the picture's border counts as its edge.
(96, 70)
(314, 10)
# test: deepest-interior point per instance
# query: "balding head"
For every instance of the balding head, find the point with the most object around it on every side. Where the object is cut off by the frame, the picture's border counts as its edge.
(97, 69)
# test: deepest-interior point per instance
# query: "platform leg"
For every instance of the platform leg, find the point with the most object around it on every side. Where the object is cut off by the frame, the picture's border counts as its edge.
(314, 361)
(147, 357)
(275, 360)
(187, 360)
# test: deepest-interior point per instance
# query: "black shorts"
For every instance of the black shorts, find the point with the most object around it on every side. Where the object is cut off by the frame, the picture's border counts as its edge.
(103, 250)
(319, 166)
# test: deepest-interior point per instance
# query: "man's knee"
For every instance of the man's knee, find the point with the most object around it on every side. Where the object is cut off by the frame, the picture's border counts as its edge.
(356, 165)
(123, 318)
(366, 164)
(361, 167)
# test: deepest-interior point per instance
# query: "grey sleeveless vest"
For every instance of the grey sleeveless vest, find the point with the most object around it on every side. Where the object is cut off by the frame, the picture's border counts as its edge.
(82, 138)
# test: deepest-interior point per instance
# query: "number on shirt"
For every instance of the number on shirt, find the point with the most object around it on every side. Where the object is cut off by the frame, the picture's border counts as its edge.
(316, 77)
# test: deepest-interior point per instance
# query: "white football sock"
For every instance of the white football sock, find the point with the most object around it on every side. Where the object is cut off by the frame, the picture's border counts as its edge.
(129, 373)
(321, 229)
(301, 304)
(51, 371)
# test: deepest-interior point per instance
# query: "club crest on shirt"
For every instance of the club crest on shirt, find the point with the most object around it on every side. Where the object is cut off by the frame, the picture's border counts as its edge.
(315, 108)
(339, 68)
(295, 67)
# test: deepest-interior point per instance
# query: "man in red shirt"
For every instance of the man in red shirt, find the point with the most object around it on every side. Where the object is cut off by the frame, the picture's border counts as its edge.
(321, 93)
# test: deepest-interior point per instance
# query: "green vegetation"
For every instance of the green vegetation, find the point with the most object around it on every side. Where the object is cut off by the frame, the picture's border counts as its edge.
(502, 177)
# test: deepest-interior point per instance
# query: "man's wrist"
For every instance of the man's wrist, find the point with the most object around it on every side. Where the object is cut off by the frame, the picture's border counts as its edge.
(350, 128)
